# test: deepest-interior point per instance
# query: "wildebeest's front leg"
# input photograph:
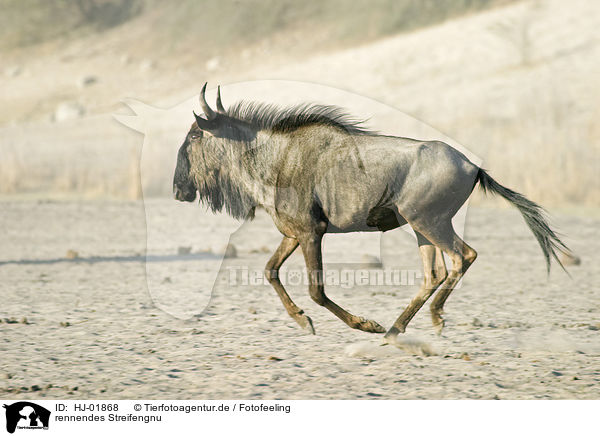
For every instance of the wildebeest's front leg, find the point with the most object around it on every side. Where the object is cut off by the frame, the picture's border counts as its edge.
(287, 247)
(311, 248)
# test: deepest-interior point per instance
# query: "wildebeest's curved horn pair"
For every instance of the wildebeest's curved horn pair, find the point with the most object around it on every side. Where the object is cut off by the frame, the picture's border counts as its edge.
(210, 114)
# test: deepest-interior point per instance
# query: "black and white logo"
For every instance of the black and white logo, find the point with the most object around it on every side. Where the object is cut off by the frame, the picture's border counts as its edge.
(26, 415)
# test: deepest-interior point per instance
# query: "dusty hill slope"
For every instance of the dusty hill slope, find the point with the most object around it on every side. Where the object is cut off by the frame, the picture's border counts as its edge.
(153, 48)
(518, 85)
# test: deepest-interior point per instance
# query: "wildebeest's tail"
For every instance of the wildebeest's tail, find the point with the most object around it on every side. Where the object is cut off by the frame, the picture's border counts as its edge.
(534, 217)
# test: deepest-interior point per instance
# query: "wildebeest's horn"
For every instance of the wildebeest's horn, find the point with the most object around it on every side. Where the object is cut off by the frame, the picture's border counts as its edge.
(210, 114)
(220, 107)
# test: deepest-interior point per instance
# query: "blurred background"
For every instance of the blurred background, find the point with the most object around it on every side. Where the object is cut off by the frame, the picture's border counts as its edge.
(516, 82)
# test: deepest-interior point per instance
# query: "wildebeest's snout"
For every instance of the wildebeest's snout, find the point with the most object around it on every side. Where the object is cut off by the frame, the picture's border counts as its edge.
(184, 194)
(183, 187)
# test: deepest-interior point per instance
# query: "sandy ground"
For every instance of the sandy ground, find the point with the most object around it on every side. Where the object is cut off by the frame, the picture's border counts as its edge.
(90, 327)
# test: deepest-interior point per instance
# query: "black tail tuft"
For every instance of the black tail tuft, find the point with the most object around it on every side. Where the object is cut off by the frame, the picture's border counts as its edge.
(534, 216)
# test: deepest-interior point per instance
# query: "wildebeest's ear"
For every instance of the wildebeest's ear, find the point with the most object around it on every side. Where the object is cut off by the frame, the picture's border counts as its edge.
(204, 124)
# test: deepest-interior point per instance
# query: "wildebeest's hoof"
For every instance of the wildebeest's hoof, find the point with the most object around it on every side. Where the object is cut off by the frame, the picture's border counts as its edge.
(437, 321)
(306, 323)
(390, 336)
(370, 326)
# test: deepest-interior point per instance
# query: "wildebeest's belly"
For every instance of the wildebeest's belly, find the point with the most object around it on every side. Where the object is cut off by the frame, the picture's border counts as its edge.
(359, 213)
(384, 219)
(378, 219)
(359, 204)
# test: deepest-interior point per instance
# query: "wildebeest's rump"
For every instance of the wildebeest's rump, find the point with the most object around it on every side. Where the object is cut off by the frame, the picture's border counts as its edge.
(315, 170)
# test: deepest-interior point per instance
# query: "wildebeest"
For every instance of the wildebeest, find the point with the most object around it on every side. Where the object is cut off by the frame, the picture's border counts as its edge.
(314, 170)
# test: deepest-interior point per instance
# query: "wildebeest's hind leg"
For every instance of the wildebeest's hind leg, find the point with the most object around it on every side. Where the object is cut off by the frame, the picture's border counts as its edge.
(311, 248)
(462, 256)
(287, 247)
(434, 273)
(462, 259)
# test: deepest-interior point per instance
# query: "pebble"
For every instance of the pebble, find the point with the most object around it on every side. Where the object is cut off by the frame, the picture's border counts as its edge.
(476, 323)
(86, 81)
(147, 65)
(66, 111)
(212, 64)
(13, 71)
(181, 251)
(570, 259)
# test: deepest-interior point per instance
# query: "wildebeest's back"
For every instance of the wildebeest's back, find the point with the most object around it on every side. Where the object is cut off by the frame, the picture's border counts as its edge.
(357, 182)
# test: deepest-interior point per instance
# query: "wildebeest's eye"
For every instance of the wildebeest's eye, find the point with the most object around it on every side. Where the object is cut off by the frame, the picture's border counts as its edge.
(195, 134)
